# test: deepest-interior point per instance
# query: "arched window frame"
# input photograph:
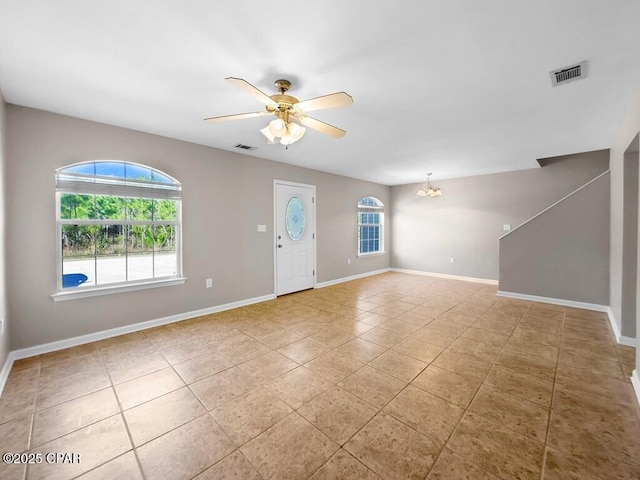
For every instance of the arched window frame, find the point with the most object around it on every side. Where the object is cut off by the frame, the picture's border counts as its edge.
(370, 226)
(124, 183)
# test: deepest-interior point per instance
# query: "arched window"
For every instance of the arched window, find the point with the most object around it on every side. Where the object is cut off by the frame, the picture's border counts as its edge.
(370, 226)
(118, 225)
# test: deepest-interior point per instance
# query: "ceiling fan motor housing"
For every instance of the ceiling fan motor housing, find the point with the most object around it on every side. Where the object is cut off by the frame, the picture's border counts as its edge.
(285, 102)
(282, 85)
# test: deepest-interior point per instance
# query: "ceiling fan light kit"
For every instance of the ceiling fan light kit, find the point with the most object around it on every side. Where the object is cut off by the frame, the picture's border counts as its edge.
(278, 131)
(291, 114)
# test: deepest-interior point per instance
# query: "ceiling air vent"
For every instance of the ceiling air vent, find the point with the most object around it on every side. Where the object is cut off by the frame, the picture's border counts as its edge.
(568, 74)
(245, 147)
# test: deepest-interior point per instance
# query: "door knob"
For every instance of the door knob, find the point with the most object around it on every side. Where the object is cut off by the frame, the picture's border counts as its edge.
(279, 245)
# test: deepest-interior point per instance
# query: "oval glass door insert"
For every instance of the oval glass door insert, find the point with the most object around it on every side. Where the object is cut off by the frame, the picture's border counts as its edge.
(294, 218)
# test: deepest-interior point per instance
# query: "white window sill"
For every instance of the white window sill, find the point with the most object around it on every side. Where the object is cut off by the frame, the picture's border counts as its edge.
(372, 254)
(78, 292)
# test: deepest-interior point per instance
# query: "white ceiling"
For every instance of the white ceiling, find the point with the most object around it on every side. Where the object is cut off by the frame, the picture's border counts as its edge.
(453, 87)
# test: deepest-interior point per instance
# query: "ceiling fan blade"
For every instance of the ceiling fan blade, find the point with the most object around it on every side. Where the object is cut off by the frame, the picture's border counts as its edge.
(320, 126)
(333, 100)
(247, 87)
(239, 116)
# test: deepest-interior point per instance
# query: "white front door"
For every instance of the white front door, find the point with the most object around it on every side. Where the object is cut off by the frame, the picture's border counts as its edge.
(295, 237)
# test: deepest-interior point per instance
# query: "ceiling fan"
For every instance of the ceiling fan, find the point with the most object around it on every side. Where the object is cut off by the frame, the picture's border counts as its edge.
(290, 113)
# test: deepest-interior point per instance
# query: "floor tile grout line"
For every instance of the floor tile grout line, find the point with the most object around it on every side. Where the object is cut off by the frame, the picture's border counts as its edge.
(126, 426)
(553, 392)
(36, 411)
(30, 441)
(79, 428)
(467, 408)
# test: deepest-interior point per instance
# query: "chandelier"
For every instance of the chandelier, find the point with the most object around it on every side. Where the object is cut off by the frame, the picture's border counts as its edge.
(428, 190)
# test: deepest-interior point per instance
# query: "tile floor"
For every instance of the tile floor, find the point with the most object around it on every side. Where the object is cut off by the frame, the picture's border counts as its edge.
(391, 376)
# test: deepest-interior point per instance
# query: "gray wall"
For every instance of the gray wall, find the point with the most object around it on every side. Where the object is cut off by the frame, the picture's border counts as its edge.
(630, 242)
(629, 128)
(564, 252)
(467, 220)
(4, 339)
(225, 197)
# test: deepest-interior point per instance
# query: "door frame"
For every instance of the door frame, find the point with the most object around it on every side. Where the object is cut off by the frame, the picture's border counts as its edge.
(277, 182)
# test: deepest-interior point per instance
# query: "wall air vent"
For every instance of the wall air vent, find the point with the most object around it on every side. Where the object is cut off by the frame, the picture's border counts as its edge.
(569, 74)
(245, 147)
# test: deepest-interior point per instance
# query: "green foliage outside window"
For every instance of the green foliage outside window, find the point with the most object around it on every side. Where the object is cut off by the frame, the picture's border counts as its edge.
(115, 239)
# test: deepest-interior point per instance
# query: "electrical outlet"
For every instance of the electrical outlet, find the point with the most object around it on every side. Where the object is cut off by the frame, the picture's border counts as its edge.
(348, 261)
(506, 227)
(209, 282)
(451, 259)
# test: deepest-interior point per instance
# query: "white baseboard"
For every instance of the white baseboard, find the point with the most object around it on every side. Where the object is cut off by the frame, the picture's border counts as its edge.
(352, 277)
(635, 381)
(6, 369)
(627, 341)
(622, 340)
(449, 277)
(114, 332)
(555, 301)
